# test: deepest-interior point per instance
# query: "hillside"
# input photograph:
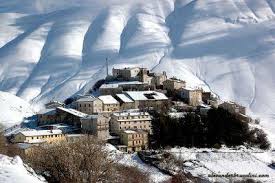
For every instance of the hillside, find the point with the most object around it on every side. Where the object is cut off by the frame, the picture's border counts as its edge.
(14, 171)
(55, 49)
(13, 109)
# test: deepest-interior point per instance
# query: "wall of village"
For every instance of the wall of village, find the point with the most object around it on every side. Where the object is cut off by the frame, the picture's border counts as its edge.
(117, 124)
(20, 138)
(134, 141)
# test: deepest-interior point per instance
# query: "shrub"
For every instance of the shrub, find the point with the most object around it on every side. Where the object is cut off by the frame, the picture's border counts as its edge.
(5, 147)
(258, 138)
(3, 143)
(217, 146)
(81, 160)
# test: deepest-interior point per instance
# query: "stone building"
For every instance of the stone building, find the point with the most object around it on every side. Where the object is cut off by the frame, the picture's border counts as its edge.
(140, 74)
(144, 76)
(125, 102)
(192, 97)
(69, 116)
(238, 110)
(97, 125)
(147, 99)
(113, 88)
(133, 140)
(130, 120)
(158, 79)
(110, 104)
(173, 84)
(206, 96)
(39, 136)
(233, 107)
(46, 116)
(127, 74)
(89, 105)
(154, 79)
(60, 115)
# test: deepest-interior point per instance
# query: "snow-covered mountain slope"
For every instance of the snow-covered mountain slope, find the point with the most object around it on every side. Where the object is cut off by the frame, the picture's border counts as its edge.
(13, 109)
(54, 49)
(12, 170)
(226, 161)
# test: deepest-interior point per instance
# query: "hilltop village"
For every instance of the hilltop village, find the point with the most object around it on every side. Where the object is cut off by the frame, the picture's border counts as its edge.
(119, 110)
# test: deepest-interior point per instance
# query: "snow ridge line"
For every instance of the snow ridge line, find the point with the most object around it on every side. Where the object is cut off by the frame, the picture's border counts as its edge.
(271, 6)
(253, 11)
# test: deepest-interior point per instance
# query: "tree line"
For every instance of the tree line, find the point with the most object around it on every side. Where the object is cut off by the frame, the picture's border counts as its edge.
(194, 130)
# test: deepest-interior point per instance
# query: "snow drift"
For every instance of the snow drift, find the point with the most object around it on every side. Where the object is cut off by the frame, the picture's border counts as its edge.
(13, 109)
(14, 171)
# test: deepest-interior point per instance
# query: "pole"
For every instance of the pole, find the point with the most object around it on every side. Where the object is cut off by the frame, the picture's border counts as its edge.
(107, 68)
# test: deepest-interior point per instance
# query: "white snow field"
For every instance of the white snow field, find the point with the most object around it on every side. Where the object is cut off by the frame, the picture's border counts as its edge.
(13, 109)
(205, 162)
(13, 170)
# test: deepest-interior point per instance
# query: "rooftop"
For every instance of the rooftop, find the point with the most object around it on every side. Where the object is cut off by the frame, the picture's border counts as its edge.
(124, 98)
(31, 133)
(146, 95)
(129, 131)
(130, 113)
(91, 117)
(54, 102)
(108, 99)
(126, 68)
(176, 80)
(117, 84)
(134, 131)
(73, 112)
(47, 111)
(192, 89)
(87, 99)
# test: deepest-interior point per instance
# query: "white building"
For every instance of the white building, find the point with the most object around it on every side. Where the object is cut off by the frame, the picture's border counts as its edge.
(134, 120)
(148, 99)
(110, 104)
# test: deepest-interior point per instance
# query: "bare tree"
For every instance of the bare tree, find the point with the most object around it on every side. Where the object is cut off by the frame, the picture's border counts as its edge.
(127, 174)
(81, 160)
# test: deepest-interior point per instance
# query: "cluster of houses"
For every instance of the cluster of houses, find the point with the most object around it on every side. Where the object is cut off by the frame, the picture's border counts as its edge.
(119, 114)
